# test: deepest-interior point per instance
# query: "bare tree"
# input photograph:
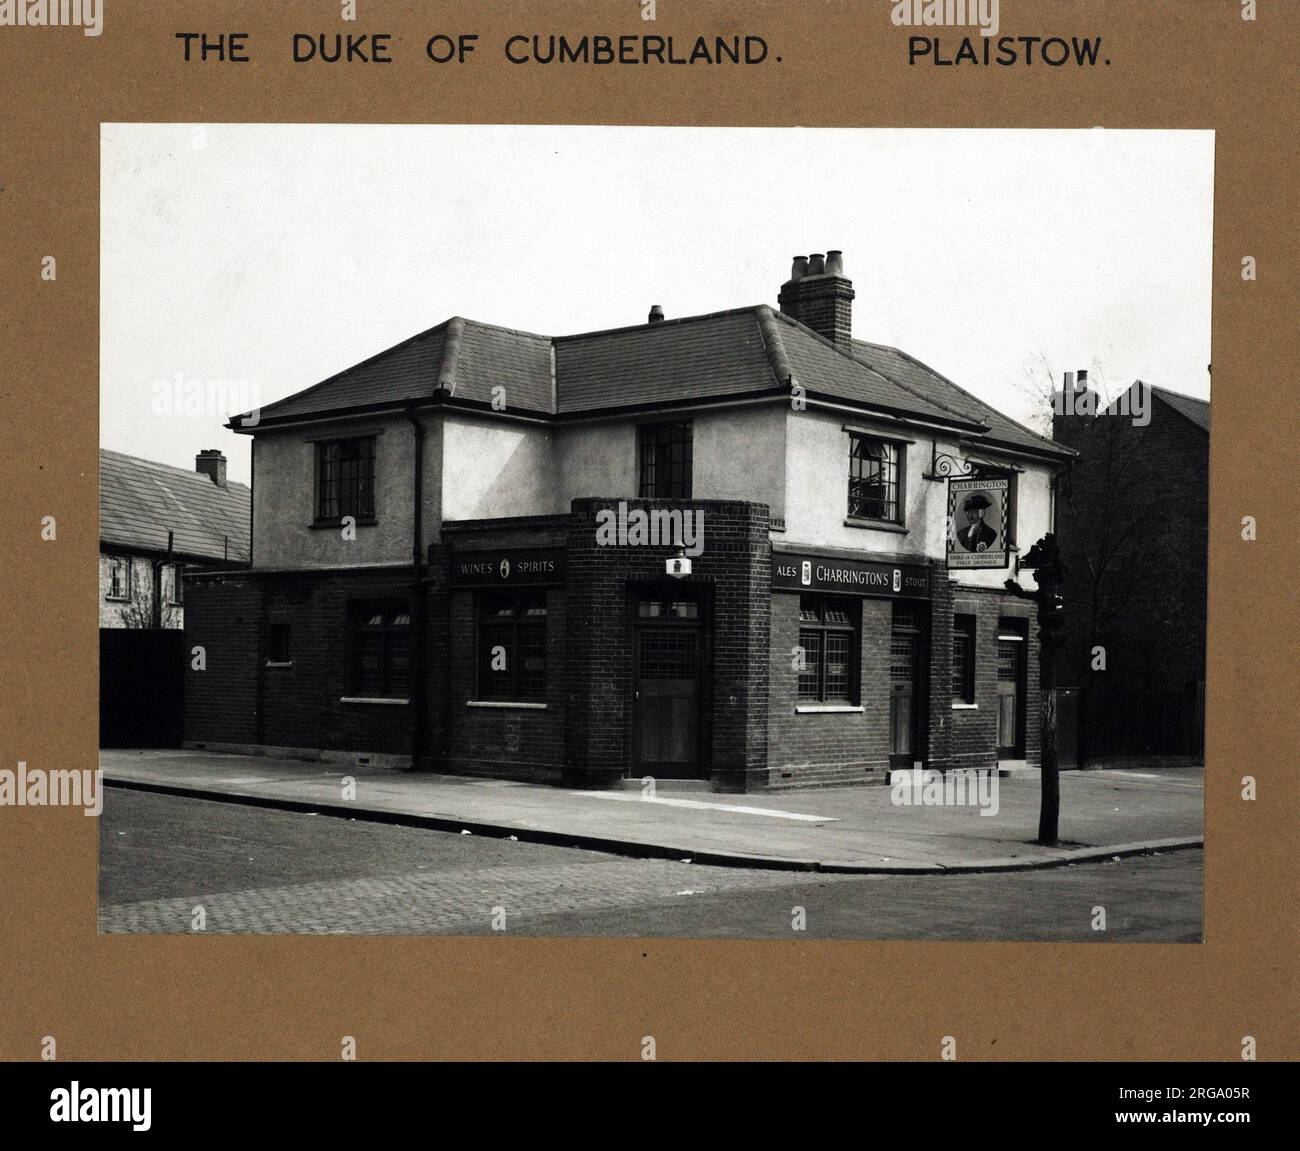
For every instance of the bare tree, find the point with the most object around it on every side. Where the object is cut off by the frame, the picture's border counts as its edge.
(138, 611)
(1038, 384)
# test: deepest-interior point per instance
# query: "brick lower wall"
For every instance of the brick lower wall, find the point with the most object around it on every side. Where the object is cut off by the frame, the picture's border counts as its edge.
(828, 748)
(814, 749)
(511, 743)
(302, 703)
(752, 736)
(972, 740)
(239, 699)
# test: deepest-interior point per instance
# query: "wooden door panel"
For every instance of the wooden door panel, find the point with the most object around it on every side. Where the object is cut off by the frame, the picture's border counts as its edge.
(667, 701)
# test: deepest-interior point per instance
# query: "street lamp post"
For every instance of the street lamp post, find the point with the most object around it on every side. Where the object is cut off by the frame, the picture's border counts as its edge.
(1044, 559)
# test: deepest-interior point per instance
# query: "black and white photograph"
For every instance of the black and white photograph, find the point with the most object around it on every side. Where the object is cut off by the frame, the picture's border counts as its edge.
(574, 531)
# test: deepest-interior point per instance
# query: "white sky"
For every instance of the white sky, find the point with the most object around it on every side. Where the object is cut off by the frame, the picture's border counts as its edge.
(280, 254)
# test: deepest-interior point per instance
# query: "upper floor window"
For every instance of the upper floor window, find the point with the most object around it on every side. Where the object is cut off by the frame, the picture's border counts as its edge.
(345, 471)
(178, 587)
(874, 479)
(119, 577)
(666, 461)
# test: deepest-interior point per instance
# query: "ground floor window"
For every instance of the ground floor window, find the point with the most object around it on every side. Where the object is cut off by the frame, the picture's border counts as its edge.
(381, 649)
(963, 659)
(512, 646)
(829, 639)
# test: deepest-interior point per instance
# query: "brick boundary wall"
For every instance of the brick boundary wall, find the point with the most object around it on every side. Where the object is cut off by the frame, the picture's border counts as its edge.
(221, 617)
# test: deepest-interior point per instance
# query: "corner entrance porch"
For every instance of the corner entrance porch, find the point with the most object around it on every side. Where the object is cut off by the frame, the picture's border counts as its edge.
(665, 676)
(670, 671)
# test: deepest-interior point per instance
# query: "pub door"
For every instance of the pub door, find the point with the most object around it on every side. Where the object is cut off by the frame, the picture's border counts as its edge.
(1011, 689)
(906, 658)
(667, 684)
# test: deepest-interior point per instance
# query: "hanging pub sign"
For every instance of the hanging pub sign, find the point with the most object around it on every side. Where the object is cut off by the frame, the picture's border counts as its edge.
(508, 567)
(977, 522)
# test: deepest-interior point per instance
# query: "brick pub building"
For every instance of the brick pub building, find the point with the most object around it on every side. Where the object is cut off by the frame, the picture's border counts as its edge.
(431, 581)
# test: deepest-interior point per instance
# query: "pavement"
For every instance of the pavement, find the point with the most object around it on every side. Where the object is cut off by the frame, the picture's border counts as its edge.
(852, 830)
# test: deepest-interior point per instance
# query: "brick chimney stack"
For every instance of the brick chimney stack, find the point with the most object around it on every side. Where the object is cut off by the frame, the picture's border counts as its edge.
(819, 295)
(211, 463)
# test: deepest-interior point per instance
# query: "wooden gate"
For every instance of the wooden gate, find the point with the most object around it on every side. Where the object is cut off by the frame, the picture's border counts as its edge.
(141, 687)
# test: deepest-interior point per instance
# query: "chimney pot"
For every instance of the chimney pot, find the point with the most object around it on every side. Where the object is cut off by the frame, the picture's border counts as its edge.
(1083, 379)
(819, 301)
(211, 463)
(656, 314)
(1067, 384)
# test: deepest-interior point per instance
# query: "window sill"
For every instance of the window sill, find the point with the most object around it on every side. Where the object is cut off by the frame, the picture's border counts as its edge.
(279, 663)
(117, 599)
(965, 707)
(386, 700)
(875, 525)
(325, 525)
(827, 709)
(503, 703)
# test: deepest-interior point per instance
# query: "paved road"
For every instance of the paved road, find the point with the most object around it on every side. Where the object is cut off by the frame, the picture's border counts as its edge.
(257, 870)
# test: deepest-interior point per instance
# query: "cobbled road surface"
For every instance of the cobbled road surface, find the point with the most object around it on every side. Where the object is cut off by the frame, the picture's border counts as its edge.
(253, 870)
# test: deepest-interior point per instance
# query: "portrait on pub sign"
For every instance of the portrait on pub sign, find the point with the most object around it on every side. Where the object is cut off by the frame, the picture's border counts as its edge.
(977, 517)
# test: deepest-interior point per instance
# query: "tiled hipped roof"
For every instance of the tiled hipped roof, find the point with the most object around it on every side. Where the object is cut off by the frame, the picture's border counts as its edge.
(746, 352)
(469, 359)
(140, 501)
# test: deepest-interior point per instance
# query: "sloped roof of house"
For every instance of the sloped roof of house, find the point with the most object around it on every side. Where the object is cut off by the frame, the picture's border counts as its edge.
(1198, 411)
(742, 352)
(467, 357)
(921, 379)
(140, 501)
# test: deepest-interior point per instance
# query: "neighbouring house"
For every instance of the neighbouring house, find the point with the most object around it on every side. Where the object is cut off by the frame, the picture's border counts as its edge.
(156, 520)
(743, 547)
(1133, 528)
